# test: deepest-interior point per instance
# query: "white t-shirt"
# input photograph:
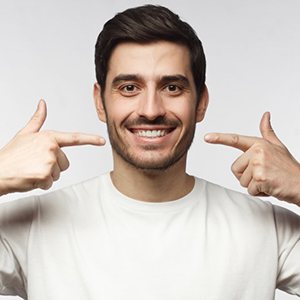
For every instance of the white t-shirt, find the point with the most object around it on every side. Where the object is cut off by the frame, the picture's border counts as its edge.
(90, 242)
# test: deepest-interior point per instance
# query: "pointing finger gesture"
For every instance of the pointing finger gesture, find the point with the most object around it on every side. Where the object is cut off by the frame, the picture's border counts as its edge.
(266, 167)
(34, 158)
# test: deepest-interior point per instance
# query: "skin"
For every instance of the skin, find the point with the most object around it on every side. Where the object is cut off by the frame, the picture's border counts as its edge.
(149, 169)
(150, 87)
(266, 168)
(34, 158)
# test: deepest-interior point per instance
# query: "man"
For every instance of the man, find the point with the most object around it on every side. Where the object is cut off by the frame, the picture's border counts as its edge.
(147, 230)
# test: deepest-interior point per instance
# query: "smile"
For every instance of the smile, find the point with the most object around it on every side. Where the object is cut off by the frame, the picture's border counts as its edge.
(151, 133)
(148, 133)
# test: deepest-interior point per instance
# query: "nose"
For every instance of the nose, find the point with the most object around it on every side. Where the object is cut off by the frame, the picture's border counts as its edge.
(151, 105)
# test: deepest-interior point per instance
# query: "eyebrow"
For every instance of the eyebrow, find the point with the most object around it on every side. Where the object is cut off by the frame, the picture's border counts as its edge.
(125, 77)
(175, 78)
(163, 80)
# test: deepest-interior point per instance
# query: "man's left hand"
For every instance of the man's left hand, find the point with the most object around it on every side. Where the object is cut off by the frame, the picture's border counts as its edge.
(266, 167)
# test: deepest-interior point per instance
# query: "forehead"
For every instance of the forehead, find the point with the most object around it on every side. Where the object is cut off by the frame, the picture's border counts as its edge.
(149, 60)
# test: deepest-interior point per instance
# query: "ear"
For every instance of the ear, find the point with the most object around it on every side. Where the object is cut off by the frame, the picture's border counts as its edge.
(202, 106)
(99, 103)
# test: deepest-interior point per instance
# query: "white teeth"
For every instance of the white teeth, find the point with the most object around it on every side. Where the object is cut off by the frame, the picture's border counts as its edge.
(151, 133)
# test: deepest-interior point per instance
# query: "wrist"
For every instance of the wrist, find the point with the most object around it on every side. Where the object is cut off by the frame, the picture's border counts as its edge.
(3, 189)
(5, 185)
(296, 188)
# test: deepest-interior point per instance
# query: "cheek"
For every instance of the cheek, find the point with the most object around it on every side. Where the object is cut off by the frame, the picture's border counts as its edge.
(118, 111)
(184, 111)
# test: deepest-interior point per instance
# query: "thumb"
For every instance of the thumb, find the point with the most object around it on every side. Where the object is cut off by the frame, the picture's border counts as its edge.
(37, 120)
(267, 131)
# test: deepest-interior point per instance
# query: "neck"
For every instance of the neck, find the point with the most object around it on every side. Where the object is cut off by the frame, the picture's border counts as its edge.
(152, 185)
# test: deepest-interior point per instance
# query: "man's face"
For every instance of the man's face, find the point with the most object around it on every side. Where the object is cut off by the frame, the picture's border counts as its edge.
(150, 104)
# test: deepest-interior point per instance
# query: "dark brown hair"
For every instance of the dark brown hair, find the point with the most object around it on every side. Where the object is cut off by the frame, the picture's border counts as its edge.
(146, 24)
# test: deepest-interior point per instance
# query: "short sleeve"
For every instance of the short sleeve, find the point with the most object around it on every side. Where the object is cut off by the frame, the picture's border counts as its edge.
(288, 233)
(11, 274)
(15, 223)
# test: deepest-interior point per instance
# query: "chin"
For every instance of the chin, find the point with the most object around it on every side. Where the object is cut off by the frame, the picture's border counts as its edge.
(153, 165)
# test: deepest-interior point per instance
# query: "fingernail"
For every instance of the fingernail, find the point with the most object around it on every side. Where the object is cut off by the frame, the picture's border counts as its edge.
(102, 141)
(40, 102)
(208, 138)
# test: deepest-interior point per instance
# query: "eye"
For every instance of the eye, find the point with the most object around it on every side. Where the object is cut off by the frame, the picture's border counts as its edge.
(173, 89)
(129, 89)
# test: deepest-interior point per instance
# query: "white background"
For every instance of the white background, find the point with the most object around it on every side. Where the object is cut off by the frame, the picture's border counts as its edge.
(252, 50)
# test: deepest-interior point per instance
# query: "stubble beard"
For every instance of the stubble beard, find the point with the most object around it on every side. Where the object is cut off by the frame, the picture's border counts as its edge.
(150, 164)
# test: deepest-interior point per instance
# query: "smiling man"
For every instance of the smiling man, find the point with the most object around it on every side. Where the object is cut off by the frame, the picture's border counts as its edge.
(151, 107)
(155, 129)
(148, 230)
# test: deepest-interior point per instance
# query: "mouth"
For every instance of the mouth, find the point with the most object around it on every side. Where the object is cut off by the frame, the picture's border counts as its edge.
(151, 133)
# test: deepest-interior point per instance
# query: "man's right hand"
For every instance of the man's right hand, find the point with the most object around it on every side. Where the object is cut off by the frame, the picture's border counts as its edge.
(34, 159)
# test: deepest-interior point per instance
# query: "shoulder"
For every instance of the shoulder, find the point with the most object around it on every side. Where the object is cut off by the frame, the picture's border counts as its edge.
(81, 189)
(246, 208)
(56, 200)
(223, 197)
(251, 217)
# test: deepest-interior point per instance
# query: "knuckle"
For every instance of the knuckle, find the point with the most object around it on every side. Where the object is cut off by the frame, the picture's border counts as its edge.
(53, 146)
(56, 176)
(50, 162)
(217, 138)
(50, 141)
(243, 184)
(260, 176)
(46, 141)
(76, 138)
(67, 164)
(34, 185)
(43, 182)
(45, 134)
(234, 169)
(256, 162)
(259, 148)
(251, 192)
(64, 166)
(47, 185)
(45, 172)
(235, 139)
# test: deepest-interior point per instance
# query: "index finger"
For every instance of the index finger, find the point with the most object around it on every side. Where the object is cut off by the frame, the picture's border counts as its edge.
(66, 139)
(237, 141)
